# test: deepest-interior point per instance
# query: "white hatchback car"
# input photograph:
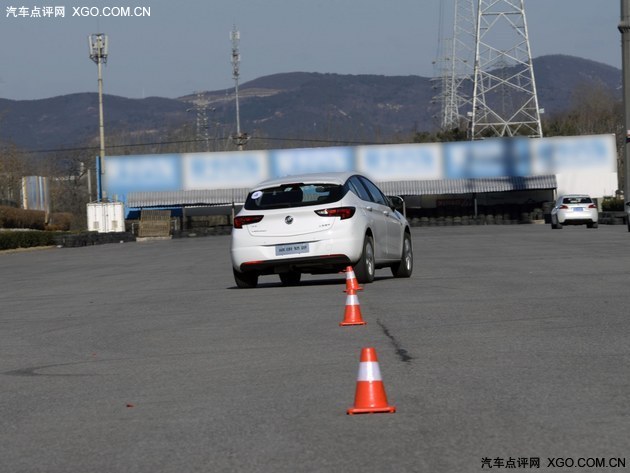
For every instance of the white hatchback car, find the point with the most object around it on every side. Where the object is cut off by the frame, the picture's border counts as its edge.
(574, 210)
(316, 224)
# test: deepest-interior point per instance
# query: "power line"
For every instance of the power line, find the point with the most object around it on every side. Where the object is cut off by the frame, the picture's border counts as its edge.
(173, 142)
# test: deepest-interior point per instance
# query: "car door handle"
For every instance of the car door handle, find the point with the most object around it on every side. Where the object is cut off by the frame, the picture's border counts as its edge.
(368, 208)
(385, 212)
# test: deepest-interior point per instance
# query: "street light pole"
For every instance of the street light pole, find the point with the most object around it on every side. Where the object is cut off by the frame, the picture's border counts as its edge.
(98, 54)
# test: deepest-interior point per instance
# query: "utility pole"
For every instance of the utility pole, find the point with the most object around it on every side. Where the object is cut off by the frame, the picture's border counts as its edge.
(624, 29)
(239, 138)
(98, 53)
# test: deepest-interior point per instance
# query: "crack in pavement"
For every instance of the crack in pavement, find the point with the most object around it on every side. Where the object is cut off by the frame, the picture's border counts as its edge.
(403, 354)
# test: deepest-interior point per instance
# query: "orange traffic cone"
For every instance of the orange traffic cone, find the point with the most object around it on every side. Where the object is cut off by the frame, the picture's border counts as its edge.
(351, 281)
(370, 395)
(352, 314)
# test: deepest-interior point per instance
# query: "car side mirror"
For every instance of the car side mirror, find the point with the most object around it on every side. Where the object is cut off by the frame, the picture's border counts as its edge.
(396, 203)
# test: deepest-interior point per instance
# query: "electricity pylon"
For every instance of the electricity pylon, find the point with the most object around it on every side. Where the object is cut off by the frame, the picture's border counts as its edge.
(455, 65)
(504, 94)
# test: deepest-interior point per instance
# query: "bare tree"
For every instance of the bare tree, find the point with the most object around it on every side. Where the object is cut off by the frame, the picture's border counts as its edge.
(13, 165)
(595, 109)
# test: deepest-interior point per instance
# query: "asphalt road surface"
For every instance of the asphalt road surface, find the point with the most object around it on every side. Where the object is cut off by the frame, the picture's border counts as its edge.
(508, 344)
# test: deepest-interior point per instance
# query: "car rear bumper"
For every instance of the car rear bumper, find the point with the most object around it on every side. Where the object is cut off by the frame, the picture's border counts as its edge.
(308, 264)
(324, 255)
(577, 218)
(577, 221)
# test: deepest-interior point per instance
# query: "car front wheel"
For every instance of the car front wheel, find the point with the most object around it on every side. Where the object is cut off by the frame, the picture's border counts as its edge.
(247, 280)
(405, 267)
(364, 270)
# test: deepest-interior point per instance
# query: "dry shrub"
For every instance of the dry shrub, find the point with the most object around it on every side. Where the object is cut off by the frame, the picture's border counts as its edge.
(61, 221)
(11, 217)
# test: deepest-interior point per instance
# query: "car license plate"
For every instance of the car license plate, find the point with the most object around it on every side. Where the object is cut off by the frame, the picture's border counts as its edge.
(577, 209)
(292, 249)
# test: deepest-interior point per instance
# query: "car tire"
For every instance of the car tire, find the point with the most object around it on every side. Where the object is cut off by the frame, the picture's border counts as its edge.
(404, 268)
(247, 280)
(365, 268)
(592, 225)
(556, 226)
(290, 278)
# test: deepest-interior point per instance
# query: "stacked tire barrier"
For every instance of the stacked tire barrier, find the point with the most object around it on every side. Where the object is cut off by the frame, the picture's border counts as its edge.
(204, 231)
(92, 238)
(535, 216)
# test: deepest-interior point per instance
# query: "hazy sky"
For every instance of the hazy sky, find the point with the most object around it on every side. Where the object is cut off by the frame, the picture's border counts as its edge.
(185, 46)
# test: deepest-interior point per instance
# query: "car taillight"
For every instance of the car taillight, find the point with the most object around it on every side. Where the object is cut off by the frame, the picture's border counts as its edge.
(246, 220)
(564, 207)
(592, 206)
(343, 212)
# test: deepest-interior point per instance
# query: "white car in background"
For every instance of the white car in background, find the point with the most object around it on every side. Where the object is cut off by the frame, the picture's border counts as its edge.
(576, 209)
(318, 223)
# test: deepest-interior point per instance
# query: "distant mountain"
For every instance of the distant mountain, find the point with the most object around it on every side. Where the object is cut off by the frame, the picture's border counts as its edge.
(359, 108)
(71, 120)
(558, 77)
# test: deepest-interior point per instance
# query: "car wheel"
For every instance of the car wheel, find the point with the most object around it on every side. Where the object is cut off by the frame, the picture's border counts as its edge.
(247, 280)
(556, 226)
(364, 269)
(291, 278)
(405, 267)
(593, 225)
(629, 224)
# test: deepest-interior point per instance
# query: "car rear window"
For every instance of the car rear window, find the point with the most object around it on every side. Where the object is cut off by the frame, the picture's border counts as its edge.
(294, 195)
(577, 200)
